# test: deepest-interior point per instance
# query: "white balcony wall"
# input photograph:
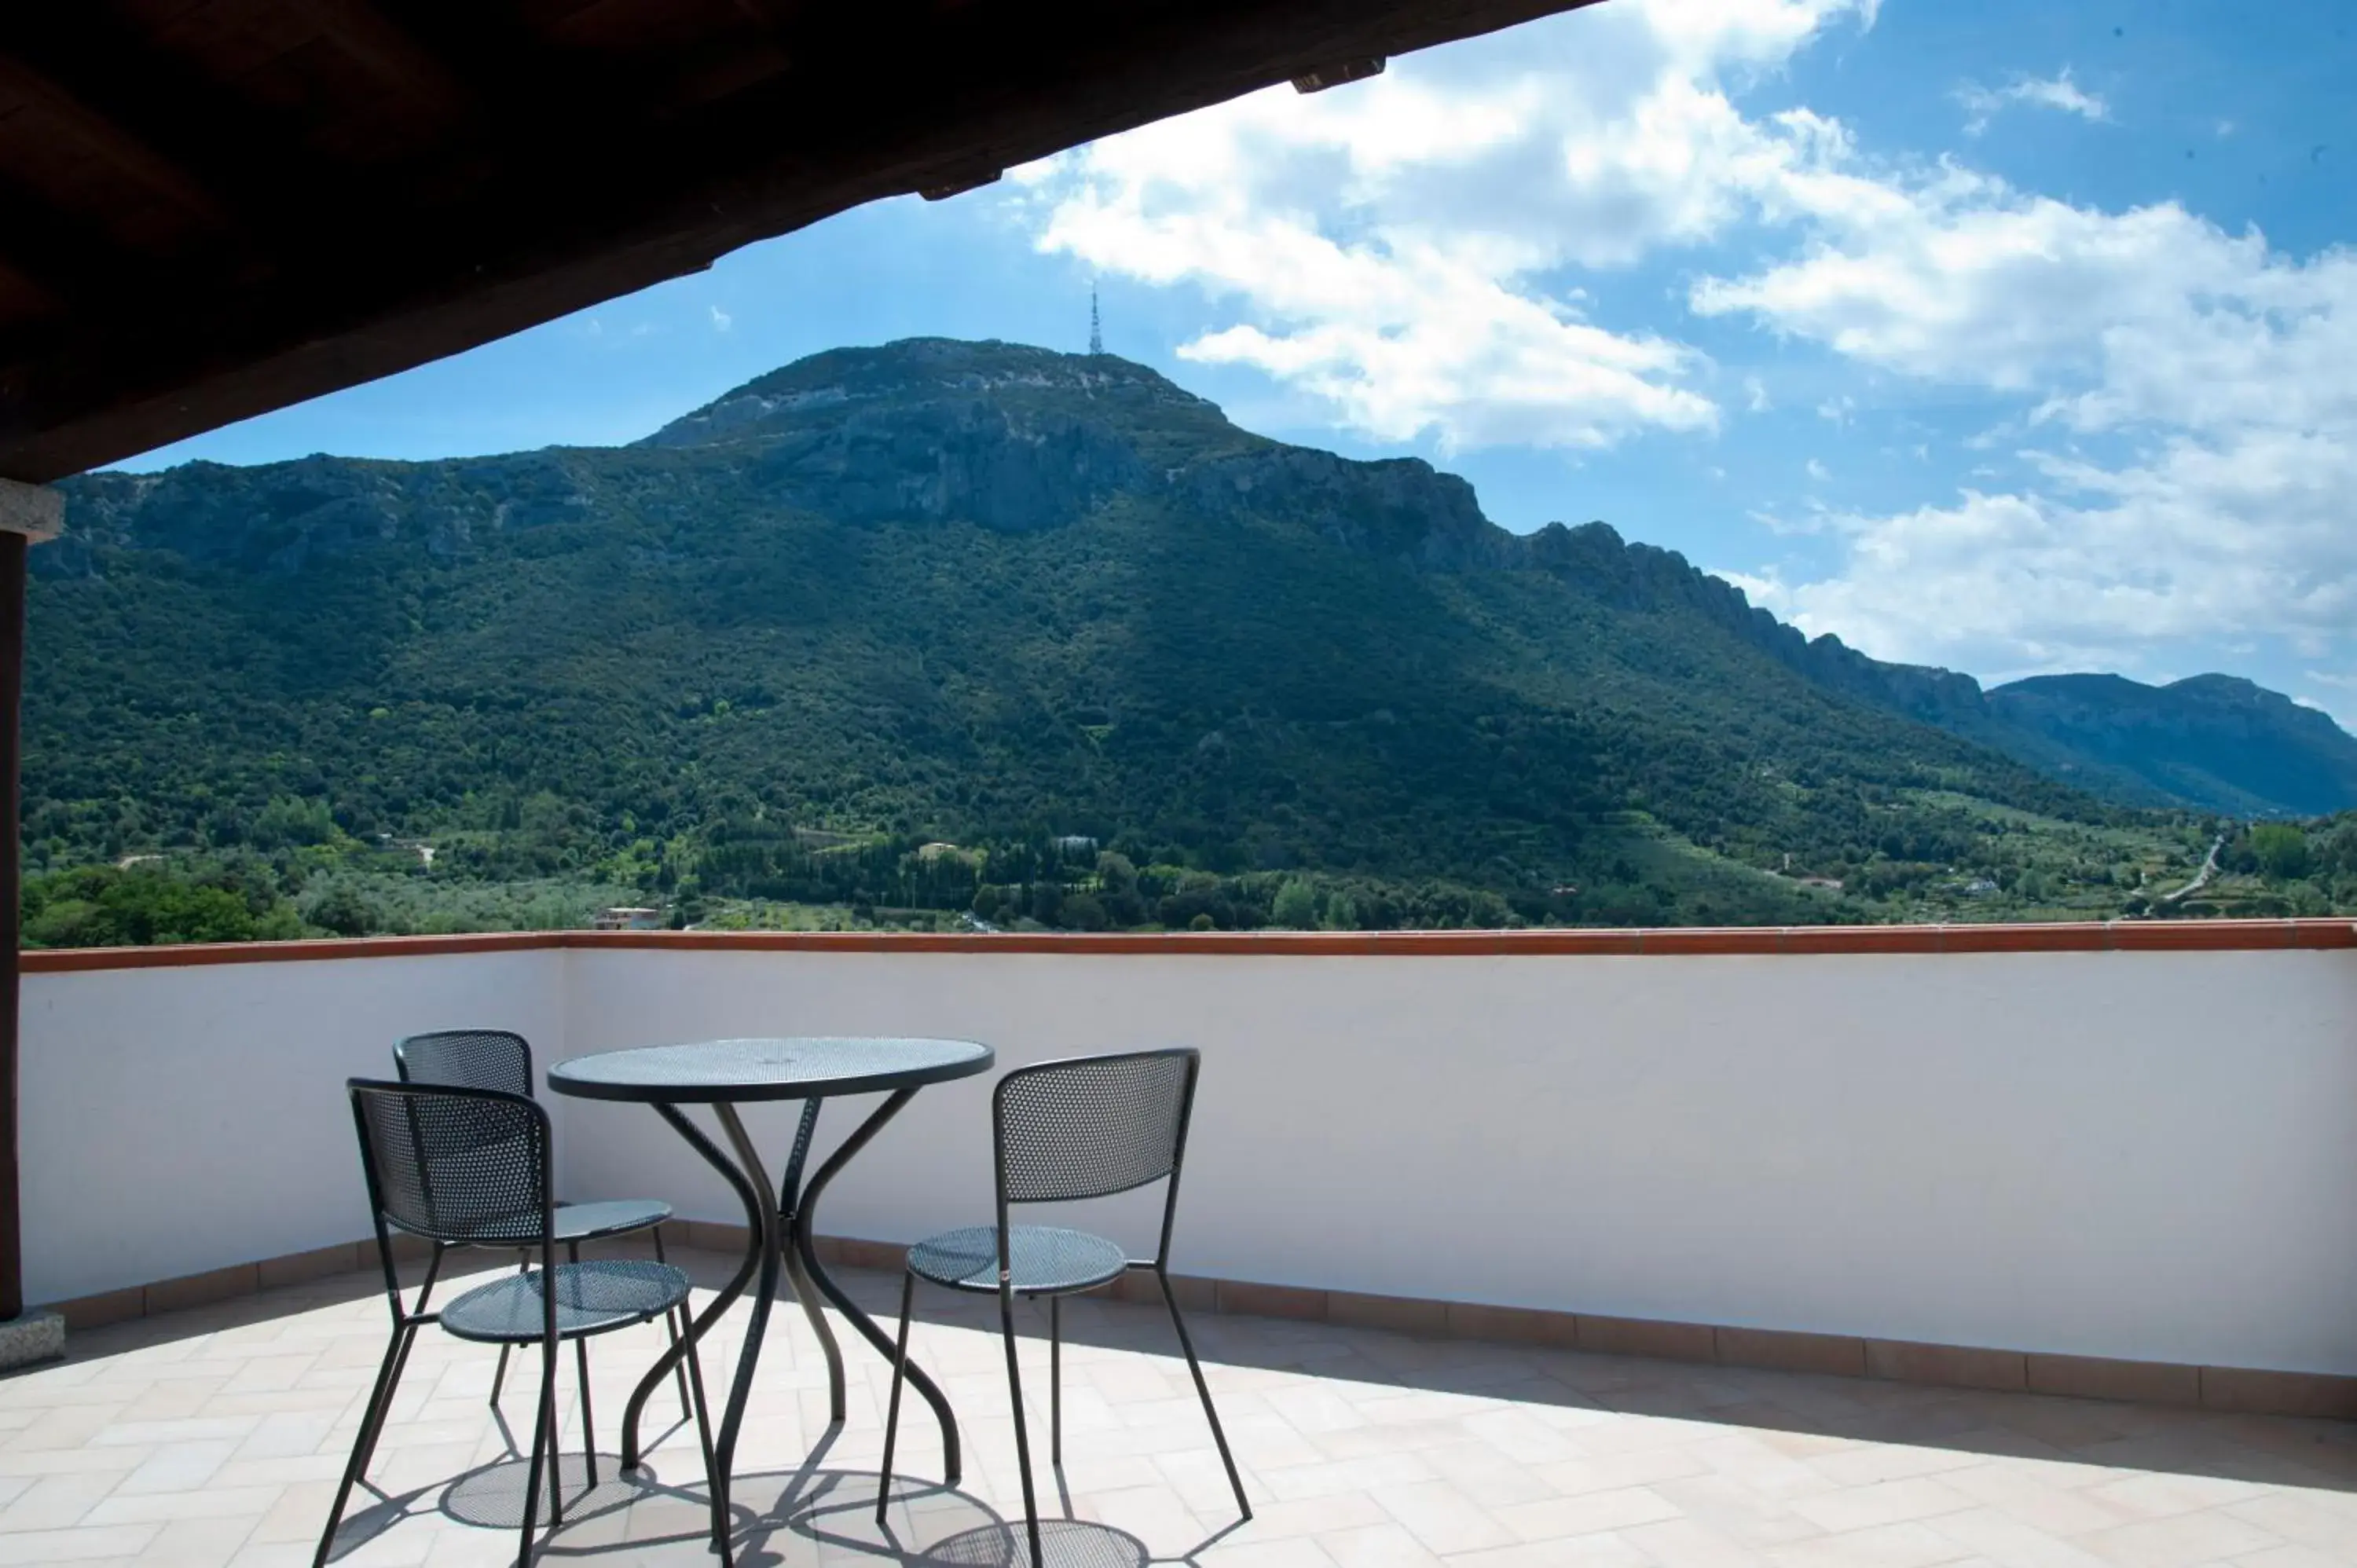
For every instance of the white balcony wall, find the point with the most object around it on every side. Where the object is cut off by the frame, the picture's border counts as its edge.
(2148, 1155)
(175, 1120)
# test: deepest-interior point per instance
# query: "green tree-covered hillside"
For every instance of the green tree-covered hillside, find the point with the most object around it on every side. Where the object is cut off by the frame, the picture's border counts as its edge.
(950, 626)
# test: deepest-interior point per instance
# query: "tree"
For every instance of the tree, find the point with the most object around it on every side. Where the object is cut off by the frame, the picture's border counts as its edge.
(2281, 850)
(1296, 906)
(339, 908)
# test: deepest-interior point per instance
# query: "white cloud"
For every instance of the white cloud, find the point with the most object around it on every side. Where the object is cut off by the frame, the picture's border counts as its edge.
(2058, 92)
(1392, 249)
(721, 320)
(1816, 470)
(2341, 703)
(2192, 434)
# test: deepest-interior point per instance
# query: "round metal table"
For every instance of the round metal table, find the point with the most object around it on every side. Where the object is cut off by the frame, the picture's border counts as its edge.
(724, 1074)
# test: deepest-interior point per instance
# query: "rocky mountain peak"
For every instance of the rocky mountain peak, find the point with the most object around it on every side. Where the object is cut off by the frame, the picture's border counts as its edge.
(919, 370)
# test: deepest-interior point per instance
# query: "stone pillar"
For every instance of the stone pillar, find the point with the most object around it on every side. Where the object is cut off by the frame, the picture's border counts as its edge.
(29, 514)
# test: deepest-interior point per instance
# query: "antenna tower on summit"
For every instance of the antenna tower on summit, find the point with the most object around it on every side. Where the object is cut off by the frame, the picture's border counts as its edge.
(1096, 325)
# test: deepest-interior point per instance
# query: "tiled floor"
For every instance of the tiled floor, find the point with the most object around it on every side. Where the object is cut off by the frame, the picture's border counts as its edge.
(215, 1437)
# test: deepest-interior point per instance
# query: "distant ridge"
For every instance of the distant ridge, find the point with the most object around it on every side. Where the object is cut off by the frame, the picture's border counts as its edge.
(2213, 741)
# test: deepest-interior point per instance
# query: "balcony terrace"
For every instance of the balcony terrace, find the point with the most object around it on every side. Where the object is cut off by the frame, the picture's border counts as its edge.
(213, 1434)
(2011, 1244)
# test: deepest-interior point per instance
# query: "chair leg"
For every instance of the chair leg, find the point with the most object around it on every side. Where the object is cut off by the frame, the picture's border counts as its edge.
(892, 1407)
(1202, 1389)
(548, 1363)
(1022, 1438)
(542, 1430)
(581, 1359)
(425, 1293)
(500, 1373)
(702, 1406)
(679, 1371)
(373, 1427)
(388, 1377)
(1056, 1381)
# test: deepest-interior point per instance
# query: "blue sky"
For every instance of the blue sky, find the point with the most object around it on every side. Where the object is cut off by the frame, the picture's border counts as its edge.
(2007, 336)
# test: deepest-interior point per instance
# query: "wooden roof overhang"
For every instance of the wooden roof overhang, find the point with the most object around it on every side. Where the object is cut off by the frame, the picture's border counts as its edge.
(210, 209)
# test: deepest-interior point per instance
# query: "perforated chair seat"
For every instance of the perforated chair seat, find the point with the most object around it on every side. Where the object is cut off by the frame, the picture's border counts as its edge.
(597, 1221)
(1044, 1258)
(591, 1298)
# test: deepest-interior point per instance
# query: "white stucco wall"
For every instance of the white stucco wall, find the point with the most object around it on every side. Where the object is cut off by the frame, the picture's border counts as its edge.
(2136, 1154)
(177, 1120)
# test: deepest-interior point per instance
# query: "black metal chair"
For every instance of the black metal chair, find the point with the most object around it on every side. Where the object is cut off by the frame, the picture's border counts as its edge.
(501, 1059)
(1065, 1131)
(470, 1167)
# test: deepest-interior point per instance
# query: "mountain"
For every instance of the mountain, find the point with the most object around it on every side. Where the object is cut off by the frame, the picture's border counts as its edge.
(996, 597)
(2213, 741)
(2209, 743)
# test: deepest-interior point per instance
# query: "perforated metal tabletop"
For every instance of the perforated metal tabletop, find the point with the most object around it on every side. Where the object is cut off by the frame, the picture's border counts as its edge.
(713, 1071)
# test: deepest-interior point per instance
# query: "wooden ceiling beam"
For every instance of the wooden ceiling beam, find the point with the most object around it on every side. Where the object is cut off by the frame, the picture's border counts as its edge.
(889, 98)
(233, 165)
(72, 260)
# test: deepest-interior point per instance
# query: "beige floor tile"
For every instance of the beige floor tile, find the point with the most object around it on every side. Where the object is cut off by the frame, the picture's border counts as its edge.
(1442, 1518)
(1373, 1473)
(2159, 1497)
(54, 1502)
(1903, 1545)
(1885, 1503)
(179, 1466)
(2312, 1519)
(2025, 1494)
(197, 1543)
(1609, 1472)
(1689, 1543)
(1295, 1553)
(1891, 1462)
(2291, 1557)
(1607, 1551)
(206, 1502)
(76, 1545)
(2002, 1537)
(1386, 1545)
(1587, 1513)
(1315, 1516)
(2180, 1540)
(1727, 1505)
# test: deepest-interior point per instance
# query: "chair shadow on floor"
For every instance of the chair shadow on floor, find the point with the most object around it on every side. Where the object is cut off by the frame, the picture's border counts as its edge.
(2267, 1450)
(490, 1495)
(779, 1520)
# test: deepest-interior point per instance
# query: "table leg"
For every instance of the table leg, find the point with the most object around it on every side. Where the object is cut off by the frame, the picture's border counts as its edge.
(769, 1239)
(755, 1197)
(804, 1220)
(790, 1203)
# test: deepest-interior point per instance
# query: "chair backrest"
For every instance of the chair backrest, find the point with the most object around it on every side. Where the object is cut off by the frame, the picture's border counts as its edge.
(455, 1164)
(1093, 1126)
(467, 1058)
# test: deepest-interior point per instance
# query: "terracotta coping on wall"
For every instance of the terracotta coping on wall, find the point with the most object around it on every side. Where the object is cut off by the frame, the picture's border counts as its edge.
(2242, 1391)
(2112, 936)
